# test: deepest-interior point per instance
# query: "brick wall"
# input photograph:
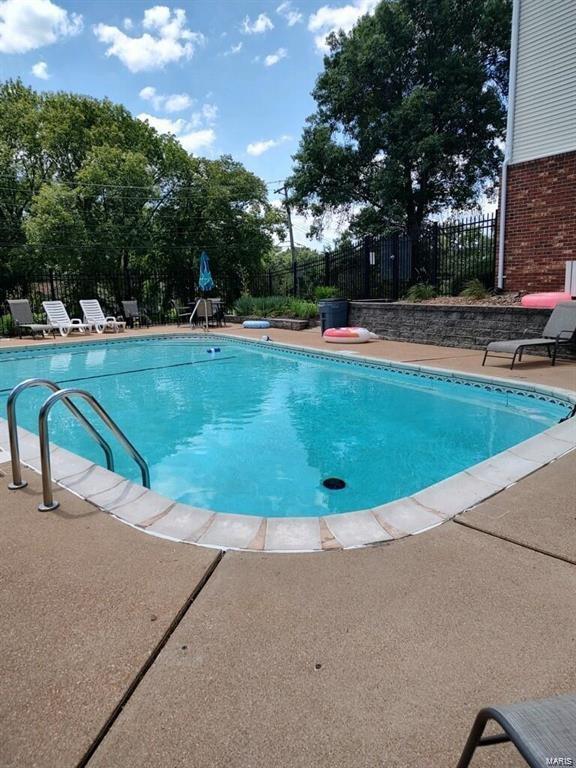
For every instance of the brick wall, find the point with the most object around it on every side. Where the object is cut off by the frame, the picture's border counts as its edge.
(540, 223)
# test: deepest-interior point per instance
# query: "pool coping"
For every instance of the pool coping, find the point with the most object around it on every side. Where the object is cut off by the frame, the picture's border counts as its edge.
(163, 517)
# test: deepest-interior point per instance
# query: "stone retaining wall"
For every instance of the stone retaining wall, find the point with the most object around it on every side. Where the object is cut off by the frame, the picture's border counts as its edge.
(448, 325)
(286, 323)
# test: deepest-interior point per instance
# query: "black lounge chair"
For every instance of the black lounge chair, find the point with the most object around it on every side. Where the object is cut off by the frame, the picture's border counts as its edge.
(133, 314)
(24, 319)
(542, 730)
(560, 329)
(183, 313)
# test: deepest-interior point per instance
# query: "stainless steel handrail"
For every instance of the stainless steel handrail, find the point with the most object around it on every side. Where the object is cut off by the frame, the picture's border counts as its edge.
(17, 481)
(63, 394)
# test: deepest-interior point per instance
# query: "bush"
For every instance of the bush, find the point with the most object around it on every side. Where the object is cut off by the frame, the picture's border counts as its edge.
(244, 305)
(304, 310)
(325, 292)
(475, 289)
(420, 292)
(275, 306)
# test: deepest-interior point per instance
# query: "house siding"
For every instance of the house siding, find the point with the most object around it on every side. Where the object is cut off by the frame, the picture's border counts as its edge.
(545, 101)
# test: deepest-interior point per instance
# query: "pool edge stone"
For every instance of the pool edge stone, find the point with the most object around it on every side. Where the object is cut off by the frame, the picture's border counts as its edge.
(245, 532)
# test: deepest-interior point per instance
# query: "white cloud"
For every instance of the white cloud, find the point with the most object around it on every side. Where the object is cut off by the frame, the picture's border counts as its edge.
(173, 102)
(29, 24)
(167, 40)
(197, 140)
(292, 15)
(148, 93)
(233, 50)
(40, 69)
(163, 124)
(258, 148)
(205, 116)
(177, 102)
(128, 24)
(194, 134)
(274, 58)
(328, 19)
(257, 27)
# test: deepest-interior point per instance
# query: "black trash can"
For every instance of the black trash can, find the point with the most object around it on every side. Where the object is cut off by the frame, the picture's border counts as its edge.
(333, 313)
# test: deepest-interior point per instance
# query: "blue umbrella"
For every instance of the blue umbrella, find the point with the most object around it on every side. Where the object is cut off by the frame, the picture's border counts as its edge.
(205, 282)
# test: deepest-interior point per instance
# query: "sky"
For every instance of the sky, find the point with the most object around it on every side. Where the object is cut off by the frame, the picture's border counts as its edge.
(225, 76)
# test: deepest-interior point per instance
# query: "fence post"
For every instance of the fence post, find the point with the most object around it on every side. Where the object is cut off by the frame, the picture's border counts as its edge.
(52, 288)
(435, 242)
(295, 277)
(270, 293)
(366, 266)
(495, 235)
(395, 259)
(327, 268)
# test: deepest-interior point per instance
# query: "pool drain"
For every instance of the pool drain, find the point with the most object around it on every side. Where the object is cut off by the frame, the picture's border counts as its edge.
(334, 483)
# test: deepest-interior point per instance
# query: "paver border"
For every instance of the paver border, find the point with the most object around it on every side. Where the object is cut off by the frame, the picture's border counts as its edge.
(163, 517)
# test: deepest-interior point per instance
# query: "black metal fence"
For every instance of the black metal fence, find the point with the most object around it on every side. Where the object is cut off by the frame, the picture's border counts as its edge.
(446, 256)
(155, 291)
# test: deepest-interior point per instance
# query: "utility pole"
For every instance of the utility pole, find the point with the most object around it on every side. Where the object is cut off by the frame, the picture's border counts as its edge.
(284, 189)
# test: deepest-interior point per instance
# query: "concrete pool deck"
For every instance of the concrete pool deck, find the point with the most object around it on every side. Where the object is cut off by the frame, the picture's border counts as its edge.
(412, 638)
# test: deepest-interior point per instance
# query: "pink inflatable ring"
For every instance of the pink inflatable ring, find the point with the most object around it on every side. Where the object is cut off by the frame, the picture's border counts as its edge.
(545, 300)
(348, 335)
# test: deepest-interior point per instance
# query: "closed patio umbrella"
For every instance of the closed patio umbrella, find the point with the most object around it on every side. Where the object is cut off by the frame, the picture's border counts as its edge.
(205, 283)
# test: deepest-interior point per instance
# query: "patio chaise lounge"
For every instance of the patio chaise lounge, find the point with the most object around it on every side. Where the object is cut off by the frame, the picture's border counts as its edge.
(60, 320)
(542, 730)
(93, 314)
(24, 319)
(134, 314)
(183, 314)
(560, 329)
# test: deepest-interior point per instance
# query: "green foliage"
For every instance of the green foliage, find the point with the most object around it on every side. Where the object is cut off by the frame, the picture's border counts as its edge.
(305, 310)
(410, 114)
(86, 186)
(475, 289)
(326, 292)
(420, 292)
(244, 305)
(275, 306)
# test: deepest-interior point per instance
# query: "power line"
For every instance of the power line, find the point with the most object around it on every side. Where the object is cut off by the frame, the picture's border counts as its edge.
(64, 182)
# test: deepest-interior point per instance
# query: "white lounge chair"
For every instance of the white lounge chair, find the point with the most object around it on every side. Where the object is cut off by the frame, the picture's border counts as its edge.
(58, 318)
(93, 314)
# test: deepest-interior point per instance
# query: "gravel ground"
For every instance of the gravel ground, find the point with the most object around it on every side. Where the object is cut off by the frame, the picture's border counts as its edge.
(504, 299)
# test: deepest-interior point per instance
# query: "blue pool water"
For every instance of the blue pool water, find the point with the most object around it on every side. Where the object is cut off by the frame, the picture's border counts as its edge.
(255, 430)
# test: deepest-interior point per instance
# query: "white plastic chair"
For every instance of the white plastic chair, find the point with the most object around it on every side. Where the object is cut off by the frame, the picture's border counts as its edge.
(60, 319)
(93, 315)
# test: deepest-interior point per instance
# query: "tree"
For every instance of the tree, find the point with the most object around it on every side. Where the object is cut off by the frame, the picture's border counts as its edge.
(85, 186)
(410, 114)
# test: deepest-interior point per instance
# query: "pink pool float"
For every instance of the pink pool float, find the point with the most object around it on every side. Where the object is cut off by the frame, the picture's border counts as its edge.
(352, 335)
(545, 300)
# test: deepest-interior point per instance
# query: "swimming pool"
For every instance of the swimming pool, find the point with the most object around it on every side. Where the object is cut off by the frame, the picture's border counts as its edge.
(256, 429)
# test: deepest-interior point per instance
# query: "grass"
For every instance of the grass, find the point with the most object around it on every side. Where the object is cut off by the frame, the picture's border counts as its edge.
(475, 289)
(420, 292)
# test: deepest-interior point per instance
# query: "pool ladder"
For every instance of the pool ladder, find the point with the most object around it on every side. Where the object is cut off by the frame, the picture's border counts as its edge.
(48, 501)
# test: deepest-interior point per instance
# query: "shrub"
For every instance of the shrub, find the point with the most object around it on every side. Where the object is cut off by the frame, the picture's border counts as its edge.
(275, 306)
(303, 309)
(325, 292)
(420, 292)
(244, 305)
(475, 289)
